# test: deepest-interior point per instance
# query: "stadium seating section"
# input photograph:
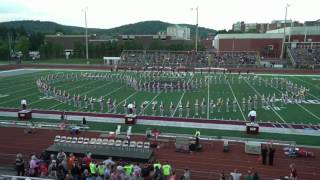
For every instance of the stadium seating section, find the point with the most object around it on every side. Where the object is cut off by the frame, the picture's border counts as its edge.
(173, 59)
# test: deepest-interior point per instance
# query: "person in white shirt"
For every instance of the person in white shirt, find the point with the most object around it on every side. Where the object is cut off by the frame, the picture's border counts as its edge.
(252, 115)
(236, 175)
(108, 161)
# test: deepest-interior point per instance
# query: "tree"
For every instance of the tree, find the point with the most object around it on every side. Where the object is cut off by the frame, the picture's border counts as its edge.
(224, 31)
(36, 40)
(4, 50)
(133, 45)
(57, 50)
(46, 50)
(156, 45)
(252, 31)
(79, 49)
(23, 45)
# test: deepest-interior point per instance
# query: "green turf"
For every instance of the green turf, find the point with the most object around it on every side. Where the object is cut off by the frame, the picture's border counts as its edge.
(59, 61)
(24, 87)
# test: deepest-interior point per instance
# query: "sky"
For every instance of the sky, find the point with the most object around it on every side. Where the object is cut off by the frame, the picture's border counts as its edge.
(108, 14)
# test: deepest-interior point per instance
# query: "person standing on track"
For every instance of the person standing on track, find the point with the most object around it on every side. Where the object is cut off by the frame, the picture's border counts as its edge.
(293, 172)
(20, 165)
(271, 154)
(264, 152)
(252, 115)
(197, 136)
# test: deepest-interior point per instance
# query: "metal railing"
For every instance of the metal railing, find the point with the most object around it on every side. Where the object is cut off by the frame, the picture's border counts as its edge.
(291, 57)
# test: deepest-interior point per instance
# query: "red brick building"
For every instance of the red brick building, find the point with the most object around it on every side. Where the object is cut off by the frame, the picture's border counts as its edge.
(267, 45)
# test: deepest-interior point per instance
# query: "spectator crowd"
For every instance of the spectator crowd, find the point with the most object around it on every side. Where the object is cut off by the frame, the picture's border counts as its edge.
(191, 59)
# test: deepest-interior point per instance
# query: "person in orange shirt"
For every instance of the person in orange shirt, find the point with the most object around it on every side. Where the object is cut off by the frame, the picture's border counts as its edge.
(71, 160)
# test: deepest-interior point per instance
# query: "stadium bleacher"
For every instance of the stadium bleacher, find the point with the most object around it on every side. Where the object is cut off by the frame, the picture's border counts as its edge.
(189, 59)
(306, 55)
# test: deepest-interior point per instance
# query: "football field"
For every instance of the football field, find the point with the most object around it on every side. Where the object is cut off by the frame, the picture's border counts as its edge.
(217, 95)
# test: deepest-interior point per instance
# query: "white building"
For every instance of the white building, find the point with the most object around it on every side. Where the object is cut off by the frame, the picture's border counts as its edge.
(178, 32)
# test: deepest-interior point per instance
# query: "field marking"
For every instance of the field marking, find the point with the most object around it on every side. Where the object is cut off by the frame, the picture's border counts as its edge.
(305, 109)
(289, 75)
(260, 96)
(244, 118)
(27, 73)
(127, 98)
(80, 93)
(13, 92)
(62, 70)
(3, 102)
(21, 90)
(308, 111)
(152, 100)
(15, 86)
(30, 80)
(306, 82)
(175, 110)
(113, 91)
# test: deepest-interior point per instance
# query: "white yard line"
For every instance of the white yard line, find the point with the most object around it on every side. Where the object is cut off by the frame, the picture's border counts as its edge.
(113, 91)
(152, 100)
(234, 96)
(288, 75)
(67, 70)
(97, 88)
(306, 82)
(21, 90)
(313, 96)
(175, 110)
(127, 98)
(22, 84)
(260, 96)
(308, 111)
(20, 97)
(178, 104)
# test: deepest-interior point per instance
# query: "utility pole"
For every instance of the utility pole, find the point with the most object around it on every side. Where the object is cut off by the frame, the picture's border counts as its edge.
(197, 11)
(86, 31)
(284, 33)
(10, 45)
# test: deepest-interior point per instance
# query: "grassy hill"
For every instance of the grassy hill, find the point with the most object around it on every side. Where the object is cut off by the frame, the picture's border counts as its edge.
(145, 27)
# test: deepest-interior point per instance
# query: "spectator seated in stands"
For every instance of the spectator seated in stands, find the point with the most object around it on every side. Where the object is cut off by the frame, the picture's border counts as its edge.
(306, 55)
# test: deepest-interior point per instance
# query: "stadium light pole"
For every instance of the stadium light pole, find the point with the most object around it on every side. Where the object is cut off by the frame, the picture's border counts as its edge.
(86, 31)
(197, 11)
(284, 32)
